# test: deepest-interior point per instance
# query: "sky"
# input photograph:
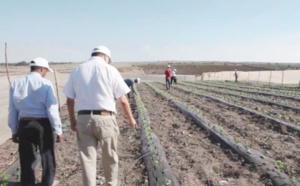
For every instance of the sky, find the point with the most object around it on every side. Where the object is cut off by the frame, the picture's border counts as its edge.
(156, 30)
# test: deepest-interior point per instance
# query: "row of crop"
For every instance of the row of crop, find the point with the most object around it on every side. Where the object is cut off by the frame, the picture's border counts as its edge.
(272, 99)
(265, 93)
(158, 169)
(292, 91)
(233, 99)
(276, 121)
(262, 99)
(252, 156)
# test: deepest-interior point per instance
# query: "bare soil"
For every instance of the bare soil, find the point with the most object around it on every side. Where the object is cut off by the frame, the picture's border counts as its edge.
(68, 172)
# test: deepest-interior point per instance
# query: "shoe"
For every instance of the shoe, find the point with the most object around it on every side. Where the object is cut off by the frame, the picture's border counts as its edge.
(55, 183)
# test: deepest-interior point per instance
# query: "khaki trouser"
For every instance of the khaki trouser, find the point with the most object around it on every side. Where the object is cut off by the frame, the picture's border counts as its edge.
(91, 130)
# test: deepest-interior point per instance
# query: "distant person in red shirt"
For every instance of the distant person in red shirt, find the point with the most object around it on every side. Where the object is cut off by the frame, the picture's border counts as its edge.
(168, 77)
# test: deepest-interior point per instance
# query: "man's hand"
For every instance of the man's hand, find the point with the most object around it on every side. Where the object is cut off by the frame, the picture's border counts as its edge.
(15, 138)
(133, 123)
(74, 125)
(70, 105)
(59, 138)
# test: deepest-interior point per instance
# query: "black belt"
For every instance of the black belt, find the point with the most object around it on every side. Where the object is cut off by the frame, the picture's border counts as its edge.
(31, 118)
(95, 112)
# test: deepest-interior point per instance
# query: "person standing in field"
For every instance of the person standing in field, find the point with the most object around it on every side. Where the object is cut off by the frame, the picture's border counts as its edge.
(95, 85)
(33, 119)
(236, 75)
(168, 77)
(129, 83)
(173, 76)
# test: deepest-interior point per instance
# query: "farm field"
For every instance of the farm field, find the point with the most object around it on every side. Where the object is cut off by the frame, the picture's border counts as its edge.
(208, 133)
(236, 147)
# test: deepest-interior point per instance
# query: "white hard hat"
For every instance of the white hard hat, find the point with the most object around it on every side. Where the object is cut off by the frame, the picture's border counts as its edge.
(168, 66)
(40, 62)
(175, 70)
(102, 49)
(138, 80)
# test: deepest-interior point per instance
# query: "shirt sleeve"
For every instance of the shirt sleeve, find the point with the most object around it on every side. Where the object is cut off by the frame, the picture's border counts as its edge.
(132, 88)
(52, 110)
(13, 113)
(120, 88)
(69, 88)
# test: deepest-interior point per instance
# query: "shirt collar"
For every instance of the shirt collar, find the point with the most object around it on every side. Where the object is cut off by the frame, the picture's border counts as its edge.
(97, 58)
(35, 74)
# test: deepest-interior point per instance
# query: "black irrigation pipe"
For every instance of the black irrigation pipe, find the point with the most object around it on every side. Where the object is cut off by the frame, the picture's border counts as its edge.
(154, 157)
(249, 91)
(275, 120)
(250, 155)
(247, 97)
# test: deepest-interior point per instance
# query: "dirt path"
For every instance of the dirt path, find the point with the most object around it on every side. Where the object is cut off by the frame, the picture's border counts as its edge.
(192, 156)
(68, 172)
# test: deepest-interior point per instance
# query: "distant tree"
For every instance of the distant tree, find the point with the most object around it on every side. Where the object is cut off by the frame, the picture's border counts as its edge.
(22, 63)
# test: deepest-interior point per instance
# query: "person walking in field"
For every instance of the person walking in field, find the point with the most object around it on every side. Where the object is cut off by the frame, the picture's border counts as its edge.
(173, 77)
(129, 83)
(95, 86)
(236, 75)
(168, 77)
(33, 119)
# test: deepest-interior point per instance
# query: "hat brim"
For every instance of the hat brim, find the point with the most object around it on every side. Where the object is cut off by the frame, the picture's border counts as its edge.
(50, 70)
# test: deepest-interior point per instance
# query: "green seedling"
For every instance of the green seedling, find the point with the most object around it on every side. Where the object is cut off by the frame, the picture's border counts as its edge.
(4, 179)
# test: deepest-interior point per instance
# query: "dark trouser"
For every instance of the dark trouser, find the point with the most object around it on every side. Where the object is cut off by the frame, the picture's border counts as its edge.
(168, 83)
(236, 79)
(33, 136)
(173, 79)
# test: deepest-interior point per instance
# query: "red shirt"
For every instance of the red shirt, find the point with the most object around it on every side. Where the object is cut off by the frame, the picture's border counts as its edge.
(168, 73)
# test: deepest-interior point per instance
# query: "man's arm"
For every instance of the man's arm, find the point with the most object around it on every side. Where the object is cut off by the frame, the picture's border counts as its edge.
(13, 116)
(71, 111)
(132, 88)
(53, 113)
(126, 108)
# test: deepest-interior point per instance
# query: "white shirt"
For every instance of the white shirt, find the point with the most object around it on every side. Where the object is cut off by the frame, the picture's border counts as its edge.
(95, 85)
(33, 96)
(173, 73)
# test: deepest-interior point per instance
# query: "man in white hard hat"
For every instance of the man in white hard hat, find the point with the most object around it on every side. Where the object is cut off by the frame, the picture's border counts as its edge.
(33, 119)
(95, 85)
(168, 77)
